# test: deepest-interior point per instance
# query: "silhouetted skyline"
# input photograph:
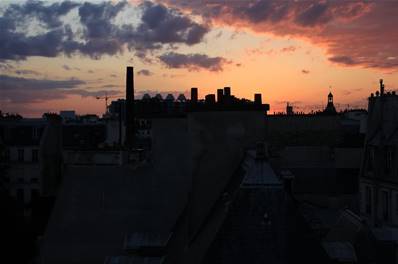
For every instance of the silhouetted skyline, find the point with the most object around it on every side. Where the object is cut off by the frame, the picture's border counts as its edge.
(290, 51)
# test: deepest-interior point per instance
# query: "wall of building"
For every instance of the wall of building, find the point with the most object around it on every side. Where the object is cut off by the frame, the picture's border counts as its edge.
(303, 130)
(217, 144)
(24, 181)
(375, 206)
(379, 174)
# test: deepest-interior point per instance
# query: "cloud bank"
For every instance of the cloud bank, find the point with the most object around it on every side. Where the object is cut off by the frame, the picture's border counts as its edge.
(353, 33)
(28, 90)
(193, 62)
(96, 31)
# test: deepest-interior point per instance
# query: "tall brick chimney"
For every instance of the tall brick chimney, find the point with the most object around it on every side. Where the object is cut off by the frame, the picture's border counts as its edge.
(129, 121)
(194, 95)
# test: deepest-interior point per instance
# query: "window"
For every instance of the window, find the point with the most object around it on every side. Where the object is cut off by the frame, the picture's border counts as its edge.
(368, 200)
(35, 132)
(35, 155)
(21, 155)
(385, 205)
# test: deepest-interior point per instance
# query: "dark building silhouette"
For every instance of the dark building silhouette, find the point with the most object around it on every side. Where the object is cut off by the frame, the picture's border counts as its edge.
(210, 99)
(379, 172)
(330, 109)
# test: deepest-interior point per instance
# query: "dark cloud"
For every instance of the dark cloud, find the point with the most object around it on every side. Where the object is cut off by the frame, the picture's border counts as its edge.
(48, 14)
(305, 71)
(289, 49)
(27, 90)
(346, 60)
(100, 34)
(6, 66)
(193, 62)
(110, 86)
(10, 82)
(366, 30)
(87, 93)
(26, 72)
(145, 72)
(316, 14)
(66, 67)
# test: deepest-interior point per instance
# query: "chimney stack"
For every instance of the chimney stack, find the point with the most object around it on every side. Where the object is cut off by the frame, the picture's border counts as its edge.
(227, 91)
(257, 99)
(210, 99)
(129, 121)
(220, 95)
(194, 95)
(381, 87)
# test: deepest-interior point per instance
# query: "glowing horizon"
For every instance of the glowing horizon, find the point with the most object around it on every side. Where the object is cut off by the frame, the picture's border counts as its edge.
(295, 55)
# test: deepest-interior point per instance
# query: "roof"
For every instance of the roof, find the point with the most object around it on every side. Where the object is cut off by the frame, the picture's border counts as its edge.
(132, 260)
(260, 174)
(149, 242)
(98, 206)
(340, 251)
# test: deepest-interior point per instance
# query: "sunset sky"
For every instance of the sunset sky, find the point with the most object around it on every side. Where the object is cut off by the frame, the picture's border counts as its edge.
(60, 55)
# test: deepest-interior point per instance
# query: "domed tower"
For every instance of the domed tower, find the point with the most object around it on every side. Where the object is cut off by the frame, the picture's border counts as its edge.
(330, 109)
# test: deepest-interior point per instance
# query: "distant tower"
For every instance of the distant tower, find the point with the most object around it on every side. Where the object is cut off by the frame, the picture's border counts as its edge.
(330, 109)
(289, 109)
(330, 98)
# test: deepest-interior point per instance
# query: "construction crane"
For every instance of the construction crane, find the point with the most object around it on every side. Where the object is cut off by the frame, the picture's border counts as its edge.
(106, 97)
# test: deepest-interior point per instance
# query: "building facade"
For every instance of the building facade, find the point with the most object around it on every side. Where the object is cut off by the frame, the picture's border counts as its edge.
(379, 172)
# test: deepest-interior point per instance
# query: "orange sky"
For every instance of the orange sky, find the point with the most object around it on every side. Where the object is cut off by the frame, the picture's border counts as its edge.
(283, 67)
